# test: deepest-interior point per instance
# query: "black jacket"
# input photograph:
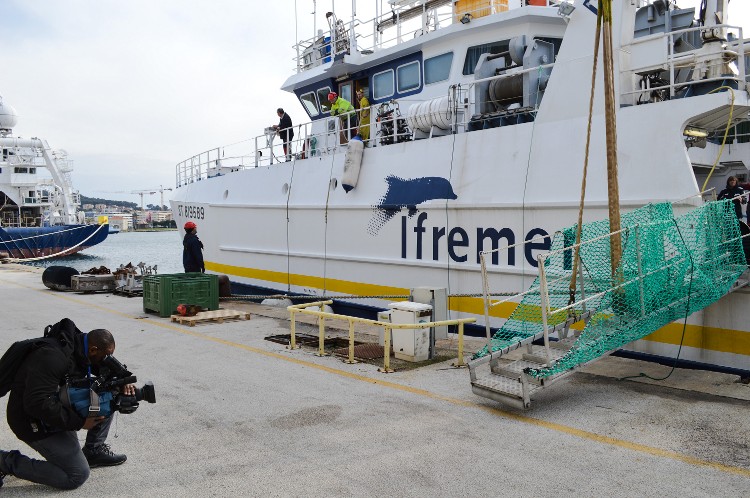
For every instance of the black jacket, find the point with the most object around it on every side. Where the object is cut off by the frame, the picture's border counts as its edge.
(192, 253)
(285, 128)
(34, 408)
(730, 193)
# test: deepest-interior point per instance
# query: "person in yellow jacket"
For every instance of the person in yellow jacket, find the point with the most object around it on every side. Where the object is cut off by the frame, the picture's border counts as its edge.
(346, 112)
(364, 116)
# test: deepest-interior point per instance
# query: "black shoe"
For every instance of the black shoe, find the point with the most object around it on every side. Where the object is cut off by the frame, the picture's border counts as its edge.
(3, 475)
(103, 457)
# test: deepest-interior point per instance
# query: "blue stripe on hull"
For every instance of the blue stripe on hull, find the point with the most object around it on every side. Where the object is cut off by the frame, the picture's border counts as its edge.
(24, 243)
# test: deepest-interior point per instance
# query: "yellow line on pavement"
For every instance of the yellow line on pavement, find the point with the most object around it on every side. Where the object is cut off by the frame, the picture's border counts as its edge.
(572, 431)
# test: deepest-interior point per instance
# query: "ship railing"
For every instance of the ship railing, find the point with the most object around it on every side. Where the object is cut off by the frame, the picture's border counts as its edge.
(214, 162)
(389, 124)
(658, 72)
(394, 27)
(15, 221)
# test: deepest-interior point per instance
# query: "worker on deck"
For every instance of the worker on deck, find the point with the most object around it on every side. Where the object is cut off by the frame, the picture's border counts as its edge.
(364, 116)
(734, 191)
(285, 131)
(346, 112)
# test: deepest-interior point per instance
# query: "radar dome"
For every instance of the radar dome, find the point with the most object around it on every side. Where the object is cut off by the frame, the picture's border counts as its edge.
(8, 116)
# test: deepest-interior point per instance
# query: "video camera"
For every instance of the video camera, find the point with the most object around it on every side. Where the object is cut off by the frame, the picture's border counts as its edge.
(101, 396)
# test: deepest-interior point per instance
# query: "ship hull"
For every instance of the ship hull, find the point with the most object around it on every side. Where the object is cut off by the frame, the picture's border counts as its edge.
(290, 227)
(44, 242)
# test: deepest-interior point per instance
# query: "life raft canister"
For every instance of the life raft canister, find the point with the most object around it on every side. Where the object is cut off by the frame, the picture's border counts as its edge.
(352, 164)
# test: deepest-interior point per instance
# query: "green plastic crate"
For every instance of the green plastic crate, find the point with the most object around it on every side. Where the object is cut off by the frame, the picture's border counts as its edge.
(163, 293)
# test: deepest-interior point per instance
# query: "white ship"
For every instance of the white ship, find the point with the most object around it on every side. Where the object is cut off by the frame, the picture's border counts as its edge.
(479, 114)
(40, 215)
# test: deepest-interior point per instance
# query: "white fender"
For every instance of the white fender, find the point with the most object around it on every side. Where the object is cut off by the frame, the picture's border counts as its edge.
(352, 163)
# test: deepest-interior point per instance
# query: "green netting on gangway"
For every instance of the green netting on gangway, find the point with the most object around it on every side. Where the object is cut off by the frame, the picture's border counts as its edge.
(671, 267)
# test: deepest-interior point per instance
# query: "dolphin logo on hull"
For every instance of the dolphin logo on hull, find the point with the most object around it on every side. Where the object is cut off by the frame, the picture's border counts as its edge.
(407, 194)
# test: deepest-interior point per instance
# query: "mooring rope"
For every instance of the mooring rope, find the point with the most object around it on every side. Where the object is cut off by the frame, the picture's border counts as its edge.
(576, 257)
(61, 253)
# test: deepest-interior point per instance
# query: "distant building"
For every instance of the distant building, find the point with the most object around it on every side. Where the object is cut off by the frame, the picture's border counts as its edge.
(87, 207)
(161, 216)
(142, 218)
(121, 221)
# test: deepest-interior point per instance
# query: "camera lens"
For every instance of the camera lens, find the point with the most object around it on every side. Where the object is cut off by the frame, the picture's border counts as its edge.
(146, 393)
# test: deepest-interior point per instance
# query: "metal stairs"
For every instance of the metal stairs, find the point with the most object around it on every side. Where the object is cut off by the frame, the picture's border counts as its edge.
(509, 383)
(671, 267)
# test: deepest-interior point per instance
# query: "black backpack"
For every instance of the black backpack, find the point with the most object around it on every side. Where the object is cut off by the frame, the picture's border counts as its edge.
(60, 335)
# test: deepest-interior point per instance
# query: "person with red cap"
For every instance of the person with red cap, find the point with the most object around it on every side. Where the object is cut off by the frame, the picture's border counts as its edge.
(343, 108)
(192, 250)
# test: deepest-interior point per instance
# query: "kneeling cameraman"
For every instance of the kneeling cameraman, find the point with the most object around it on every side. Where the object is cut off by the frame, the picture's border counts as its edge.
(38, 417)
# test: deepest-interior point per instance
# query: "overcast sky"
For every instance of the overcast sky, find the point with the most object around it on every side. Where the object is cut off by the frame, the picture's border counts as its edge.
(130, 88)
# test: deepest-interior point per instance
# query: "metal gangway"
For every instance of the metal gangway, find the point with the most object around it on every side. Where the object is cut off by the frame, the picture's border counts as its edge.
(671, 267)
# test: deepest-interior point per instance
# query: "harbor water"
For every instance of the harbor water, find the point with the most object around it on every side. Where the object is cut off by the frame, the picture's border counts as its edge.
(160, 248)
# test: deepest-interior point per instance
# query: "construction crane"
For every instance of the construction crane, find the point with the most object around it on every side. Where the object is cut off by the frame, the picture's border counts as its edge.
(150, 191)
(161, 191)
(142, 193)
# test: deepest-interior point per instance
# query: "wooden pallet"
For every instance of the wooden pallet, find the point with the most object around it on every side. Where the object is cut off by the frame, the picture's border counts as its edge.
(211, 316)
(120, 291)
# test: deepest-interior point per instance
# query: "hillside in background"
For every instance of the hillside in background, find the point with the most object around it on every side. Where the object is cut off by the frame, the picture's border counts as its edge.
(96, 200)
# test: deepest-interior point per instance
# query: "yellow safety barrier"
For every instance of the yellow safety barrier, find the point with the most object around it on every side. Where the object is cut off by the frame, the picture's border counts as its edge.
(387, 328)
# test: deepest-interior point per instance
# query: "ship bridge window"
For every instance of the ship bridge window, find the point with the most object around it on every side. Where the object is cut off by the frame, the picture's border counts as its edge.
(21, 170)
(310, 104)
(323, 99)
(407, 77)
(32, 171)
(437, 68)
(474, 53)
(382, 84)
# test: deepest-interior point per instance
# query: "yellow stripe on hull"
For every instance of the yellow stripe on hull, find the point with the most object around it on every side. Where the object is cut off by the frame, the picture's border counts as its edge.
(700, 337)
(696, 336)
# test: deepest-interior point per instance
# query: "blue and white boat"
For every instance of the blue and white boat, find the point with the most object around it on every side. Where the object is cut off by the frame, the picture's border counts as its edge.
(477, 140)
(39, 212)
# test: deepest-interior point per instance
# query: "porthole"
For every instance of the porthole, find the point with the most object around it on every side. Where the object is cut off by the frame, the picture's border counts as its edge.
(226, 194)
(334, 183)
(285, 188)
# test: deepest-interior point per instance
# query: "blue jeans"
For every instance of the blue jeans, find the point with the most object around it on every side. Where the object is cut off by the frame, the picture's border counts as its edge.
(64, 467)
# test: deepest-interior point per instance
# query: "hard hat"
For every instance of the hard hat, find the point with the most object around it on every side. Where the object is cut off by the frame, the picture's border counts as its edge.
(190, 225)
(332, 96)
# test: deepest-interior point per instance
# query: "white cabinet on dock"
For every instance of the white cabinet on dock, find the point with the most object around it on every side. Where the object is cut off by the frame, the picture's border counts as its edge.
(411, 344)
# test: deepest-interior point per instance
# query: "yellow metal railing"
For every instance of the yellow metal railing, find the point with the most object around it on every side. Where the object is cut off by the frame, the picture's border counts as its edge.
(387, 327)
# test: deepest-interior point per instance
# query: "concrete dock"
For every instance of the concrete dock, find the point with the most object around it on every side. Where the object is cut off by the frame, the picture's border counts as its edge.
(237, 415)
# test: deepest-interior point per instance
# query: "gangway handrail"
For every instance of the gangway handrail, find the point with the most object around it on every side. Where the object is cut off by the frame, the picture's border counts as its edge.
(387, 327)
(617, 284)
